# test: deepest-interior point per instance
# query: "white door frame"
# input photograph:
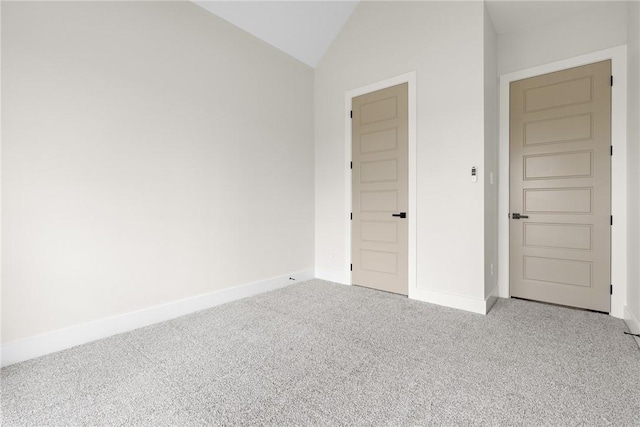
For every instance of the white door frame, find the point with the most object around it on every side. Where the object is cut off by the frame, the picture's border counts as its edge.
(618, 56)
(410, 79)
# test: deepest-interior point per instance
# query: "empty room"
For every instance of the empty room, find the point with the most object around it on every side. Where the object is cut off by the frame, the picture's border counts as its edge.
(320, 213)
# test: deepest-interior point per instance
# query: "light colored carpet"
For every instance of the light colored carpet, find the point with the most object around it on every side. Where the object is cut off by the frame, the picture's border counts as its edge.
(318, 353)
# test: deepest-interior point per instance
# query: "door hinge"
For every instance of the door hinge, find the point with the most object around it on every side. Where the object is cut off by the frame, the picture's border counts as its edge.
(611, 150)
(351, 165)
(611, 220)
(351, 215)
(610, 289)
(611, 80)
(351, 267)
(351, 115)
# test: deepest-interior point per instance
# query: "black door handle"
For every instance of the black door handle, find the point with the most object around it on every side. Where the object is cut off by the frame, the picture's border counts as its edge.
(518, 216)
(401, 215)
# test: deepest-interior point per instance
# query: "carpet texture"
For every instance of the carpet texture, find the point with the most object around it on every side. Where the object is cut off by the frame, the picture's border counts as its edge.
(318, 353)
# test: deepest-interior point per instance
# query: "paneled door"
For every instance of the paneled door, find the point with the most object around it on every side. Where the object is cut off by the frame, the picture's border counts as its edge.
(379, 229)
(560, 187)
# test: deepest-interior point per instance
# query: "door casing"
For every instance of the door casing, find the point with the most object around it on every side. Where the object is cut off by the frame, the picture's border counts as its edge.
(410, 79)
(618, 57)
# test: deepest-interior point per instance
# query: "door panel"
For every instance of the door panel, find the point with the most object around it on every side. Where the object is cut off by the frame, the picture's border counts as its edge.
(379, 171)
(382, 140)
(379, 231)
(378, 110)
(568, 91)
(380, 189)
(560, 127)
(559, 236)
(379, 261)
(557, 200)
(559, 271)
(558, 165)
(378, 201)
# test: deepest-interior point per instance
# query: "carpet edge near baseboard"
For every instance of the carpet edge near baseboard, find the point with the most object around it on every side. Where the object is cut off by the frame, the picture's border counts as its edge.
(61, 339)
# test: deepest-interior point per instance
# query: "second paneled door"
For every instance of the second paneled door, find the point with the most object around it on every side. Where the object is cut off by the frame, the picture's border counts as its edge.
(560, 187)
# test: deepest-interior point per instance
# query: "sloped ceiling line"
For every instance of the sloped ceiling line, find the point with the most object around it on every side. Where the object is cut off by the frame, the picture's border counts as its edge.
(306, 29)
(302, 29)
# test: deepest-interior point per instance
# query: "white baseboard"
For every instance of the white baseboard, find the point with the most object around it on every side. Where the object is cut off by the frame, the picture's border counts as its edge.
(633, 322)
(50, 342)
(331, 276)
(492, 298)
(475, 305)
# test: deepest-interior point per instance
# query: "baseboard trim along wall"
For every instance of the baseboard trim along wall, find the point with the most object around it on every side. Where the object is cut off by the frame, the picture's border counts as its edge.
(632, 321)
(492, 298)
(332, 276)
(50, 342)
(474, 305)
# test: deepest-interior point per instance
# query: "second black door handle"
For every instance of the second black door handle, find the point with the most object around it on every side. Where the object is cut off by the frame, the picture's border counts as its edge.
(401, 214)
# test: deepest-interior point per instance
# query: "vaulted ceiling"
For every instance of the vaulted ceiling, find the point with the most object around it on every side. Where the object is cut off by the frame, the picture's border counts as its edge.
(306, 29)
(303, 29)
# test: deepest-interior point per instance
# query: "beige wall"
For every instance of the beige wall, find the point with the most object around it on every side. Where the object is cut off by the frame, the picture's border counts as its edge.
(633, 152)
(151, 152)
(602, 27)
(491, 142)
(443, 43)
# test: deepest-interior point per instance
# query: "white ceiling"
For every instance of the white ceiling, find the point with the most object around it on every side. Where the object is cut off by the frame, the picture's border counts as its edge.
(306, 29)
(303, 29)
